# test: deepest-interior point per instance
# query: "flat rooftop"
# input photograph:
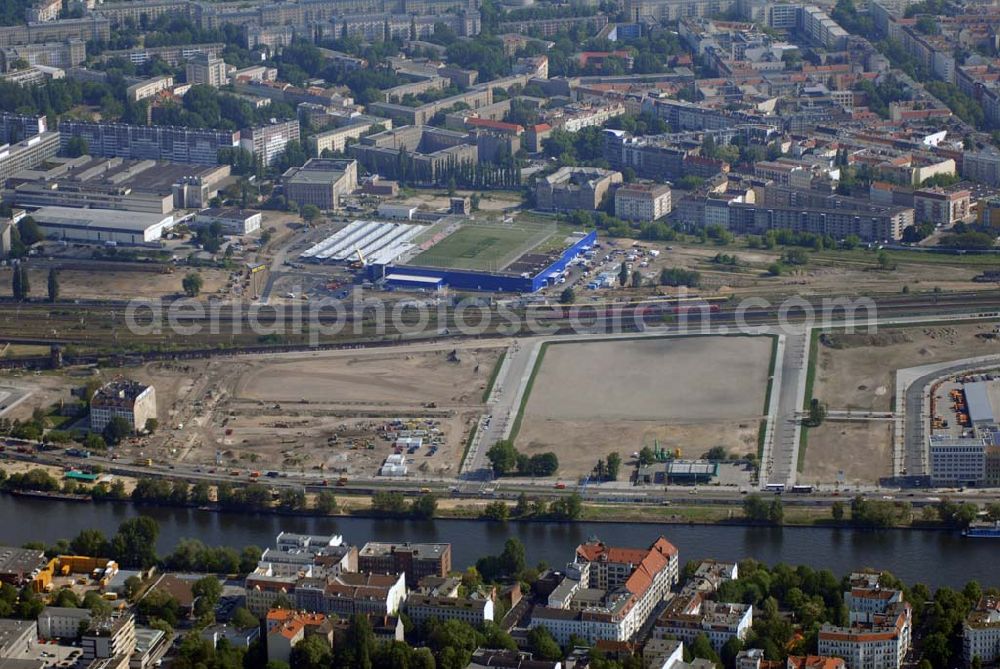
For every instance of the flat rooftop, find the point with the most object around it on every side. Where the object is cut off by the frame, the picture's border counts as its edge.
(422, 551)
(22, 561)
(107, 219)
(102, 173)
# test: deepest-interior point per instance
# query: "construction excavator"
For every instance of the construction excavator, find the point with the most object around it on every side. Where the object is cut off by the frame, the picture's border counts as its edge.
(361, 262)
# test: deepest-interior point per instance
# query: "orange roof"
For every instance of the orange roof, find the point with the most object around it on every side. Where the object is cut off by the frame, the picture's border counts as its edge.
(815, 662)
(496, 125)
(289, 623)
(648, 562)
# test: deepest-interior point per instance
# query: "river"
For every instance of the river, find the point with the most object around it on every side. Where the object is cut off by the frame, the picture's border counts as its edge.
(935, 558)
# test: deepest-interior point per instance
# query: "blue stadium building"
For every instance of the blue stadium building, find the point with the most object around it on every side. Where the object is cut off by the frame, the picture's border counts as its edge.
(527, 274)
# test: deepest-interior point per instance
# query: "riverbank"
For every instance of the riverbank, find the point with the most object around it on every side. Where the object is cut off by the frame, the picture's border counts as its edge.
(694, 513)
(914, 556)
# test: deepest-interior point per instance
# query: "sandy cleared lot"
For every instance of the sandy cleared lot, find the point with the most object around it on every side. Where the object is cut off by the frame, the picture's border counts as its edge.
(376, 378)
(672, 378)
(324, 411)
(860, 449)
(861, 374)
(593, 398)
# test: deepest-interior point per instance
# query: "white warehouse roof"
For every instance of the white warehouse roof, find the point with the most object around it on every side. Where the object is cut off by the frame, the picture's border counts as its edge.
(102, 224)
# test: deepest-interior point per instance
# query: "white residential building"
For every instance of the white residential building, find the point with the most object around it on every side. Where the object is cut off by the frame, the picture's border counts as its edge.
(878, 636)
(642, 202)
(981, 634)
(609, 592)
(690, 615)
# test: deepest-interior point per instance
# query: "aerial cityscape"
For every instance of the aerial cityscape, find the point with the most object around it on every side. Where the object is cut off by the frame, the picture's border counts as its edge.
(533, 334)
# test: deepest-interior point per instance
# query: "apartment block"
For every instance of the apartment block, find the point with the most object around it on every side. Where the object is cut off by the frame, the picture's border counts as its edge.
(27, 154)
(180, 145)
(879, 629)
(415, 560)
(347, 594)
(267, 143)
(942, 207)
(131, 400)
(109, 637)
(287, 628)
(472, 610)
(149, 88)
(692, 614)
(868, 224)
(44, 10)
(981, 632)
(607, 592)
(94, 27)
(428, 151)
(336, 139)
(570, 188)
(65, 54)
(642, 202)
(207, 69)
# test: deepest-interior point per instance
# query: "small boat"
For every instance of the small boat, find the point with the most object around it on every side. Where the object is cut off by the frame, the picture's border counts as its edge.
(983, 530)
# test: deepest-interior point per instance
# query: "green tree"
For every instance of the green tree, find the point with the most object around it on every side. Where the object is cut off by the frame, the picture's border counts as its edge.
(30, 233)
(313, 652)
(117, 429)
(542, 645)
(817, 413)
(716, 453)
(623, 274)
(567, 296)
(134, 545)
(20, 287)
(243, 619)
(775, 511)
(77, 146)
(292, 499)
(326, 503)
(503, 457)
(837, 511)
(614, 464)
(498, 511)
(207, 591)
(90, 542)
(701, 647)
(53, 285)
(192, 284)
(424, 506)
(310, 212)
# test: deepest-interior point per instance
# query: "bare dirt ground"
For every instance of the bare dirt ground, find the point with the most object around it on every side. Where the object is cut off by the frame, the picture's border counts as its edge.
(825, 274)
(579, 444)
(488, 202)
(861, 449)
(861, 374)
(325, 411)
(592, 398)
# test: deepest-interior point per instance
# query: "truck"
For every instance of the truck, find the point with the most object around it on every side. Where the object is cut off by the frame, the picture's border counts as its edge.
(78, 452)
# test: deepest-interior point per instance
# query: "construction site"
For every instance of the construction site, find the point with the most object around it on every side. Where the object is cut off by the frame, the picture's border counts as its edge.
(342, 412)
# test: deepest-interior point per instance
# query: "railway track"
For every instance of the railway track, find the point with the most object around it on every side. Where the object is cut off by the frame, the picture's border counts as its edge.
(38, 324)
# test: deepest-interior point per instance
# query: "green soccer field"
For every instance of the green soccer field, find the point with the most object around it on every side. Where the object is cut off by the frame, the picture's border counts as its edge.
(483, 247)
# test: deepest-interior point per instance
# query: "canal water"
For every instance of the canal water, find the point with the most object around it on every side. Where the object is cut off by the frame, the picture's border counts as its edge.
(931, 557)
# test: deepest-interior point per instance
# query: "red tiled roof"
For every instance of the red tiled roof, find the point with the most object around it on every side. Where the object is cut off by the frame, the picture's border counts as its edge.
(496, 125)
